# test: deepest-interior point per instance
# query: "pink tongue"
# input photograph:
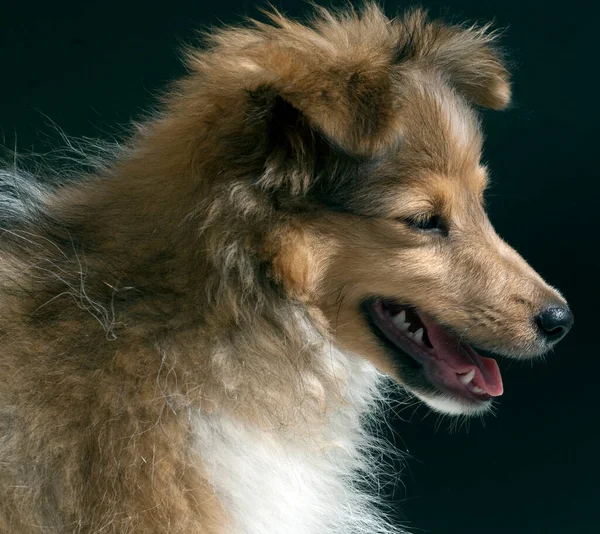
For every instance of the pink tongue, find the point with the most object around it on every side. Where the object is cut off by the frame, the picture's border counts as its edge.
(454, 359)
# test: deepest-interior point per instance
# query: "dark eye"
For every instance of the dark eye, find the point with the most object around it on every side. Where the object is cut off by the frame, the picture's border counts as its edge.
(428, 222)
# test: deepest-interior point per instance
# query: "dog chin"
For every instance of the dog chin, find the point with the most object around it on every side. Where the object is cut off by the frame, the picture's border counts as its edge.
(449, 405)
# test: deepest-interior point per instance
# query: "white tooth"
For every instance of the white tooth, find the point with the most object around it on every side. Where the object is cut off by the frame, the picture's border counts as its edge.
(399, 319)
(465, 379)
(404, 327)
(476, 389)
(419, 335)
(409, 334)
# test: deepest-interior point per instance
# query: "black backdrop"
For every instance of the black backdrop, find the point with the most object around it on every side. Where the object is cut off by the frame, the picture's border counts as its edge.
(534, 467)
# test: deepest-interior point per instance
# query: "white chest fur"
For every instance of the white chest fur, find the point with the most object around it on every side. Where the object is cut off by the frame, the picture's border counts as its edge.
(270, 484)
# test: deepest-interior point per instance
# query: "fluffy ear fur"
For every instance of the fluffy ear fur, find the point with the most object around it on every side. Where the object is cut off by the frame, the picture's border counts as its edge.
(468, 56)
(333, 76)
(335, 86)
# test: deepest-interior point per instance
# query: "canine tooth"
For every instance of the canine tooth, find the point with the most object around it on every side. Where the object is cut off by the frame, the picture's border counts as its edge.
(476, 389)
(465, 379)
(400, 318)
(418, 335)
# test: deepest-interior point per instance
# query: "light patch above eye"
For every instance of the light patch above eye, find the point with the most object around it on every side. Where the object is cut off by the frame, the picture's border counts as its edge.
(406, 203)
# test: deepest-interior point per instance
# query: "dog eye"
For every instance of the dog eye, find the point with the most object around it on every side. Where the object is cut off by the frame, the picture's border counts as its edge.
(427, 222)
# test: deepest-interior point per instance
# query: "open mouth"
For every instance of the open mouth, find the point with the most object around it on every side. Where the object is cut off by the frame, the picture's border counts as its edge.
(435, 360)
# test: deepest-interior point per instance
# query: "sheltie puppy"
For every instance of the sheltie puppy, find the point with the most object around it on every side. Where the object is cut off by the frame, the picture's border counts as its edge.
(195, 332)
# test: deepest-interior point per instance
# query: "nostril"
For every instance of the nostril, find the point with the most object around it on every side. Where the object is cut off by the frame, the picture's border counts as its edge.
(554, 322)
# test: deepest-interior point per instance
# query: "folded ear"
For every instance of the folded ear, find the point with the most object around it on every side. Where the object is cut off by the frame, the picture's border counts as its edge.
(291, 94)
(468, 56)
(335, 73)
(306, 90)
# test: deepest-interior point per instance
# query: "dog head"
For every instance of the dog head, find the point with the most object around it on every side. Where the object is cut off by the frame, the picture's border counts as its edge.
(371, 154)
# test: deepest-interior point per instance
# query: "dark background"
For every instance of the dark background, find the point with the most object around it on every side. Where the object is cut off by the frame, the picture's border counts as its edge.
(534, 467)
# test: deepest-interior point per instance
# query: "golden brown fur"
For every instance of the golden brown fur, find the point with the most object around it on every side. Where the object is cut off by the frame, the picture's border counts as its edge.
(273, 184)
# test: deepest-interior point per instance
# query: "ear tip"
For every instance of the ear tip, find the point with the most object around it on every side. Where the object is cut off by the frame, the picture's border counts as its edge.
(500, 95)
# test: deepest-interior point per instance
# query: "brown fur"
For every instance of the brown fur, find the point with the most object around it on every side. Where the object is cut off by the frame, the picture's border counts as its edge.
(274, 182)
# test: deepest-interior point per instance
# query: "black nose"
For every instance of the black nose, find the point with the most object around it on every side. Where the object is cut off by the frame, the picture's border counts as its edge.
(554, 322)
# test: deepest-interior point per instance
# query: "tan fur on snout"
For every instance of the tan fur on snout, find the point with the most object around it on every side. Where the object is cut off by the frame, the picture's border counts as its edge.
(183, 348)
(476, 284)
